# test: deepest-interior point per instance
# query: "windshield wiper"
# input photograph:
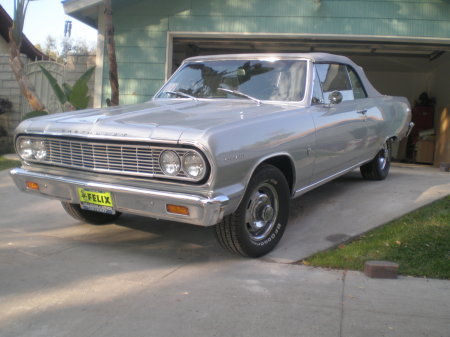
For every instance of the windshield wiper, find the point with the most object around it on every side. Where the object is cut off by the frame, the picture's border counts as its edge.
(241, 94)
(180, 93)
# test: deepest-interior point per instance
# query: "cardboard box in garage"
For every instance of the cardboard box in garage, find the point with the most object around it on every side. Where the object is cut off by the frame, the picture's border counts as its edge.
(425, 151)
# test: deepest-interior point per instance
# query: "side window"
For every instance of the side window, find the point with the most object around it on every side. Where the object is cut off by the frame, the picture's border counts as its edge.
(334, 77)
(317, 95)
(358, 88)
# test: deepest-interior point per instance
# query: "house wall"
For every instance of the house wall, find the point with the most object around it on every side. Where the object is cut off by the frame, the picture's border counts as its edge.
(141, 28)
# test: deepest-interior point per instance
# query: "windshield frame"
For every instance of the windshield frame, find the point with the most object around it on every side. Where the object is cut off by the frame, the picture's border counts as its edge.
(268, 57)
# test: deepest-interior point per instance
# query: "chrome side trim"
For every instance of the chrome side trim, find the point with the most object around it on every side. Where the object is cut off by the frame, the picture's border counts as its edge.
(308, 188)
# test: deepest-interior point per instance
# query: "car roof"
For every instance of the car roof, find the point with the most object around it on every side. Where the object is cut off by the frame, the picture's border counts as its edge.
(315, 57)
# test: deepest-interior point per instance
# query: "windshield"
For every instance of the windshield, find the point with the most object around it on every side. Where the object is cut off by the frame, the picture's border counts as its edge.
(278, 80)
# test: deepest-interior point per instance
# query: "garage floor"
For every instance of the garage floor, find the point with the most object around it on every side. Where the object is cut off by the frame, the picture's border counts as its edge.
(141, 277)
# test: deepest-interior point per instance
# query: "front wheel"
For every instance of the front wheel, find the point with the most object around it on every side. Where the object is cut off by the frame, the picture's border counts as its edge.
(94, 218)
(378, 168)
(260, 220)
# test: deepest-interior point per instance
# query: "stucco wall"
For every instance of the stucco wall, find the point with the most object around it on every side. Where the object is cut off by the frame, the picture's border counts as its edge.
(141, 28)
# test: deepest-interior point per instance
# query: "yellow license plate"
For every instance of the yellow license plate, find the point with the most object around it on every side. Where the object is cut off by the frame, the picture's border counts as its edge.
(96, 201)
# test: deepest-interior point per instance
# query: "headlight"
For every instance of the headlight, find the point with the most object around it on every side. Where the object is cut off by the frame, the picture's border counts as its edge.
(193, 165)
(170, 163)
(25, 148)
(31, 149)
(39, 149)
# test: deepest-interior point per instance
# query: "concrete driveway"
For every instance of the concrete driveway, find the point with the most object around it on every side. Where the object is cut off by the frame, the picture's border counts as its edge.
(141, 277)
(349, 206)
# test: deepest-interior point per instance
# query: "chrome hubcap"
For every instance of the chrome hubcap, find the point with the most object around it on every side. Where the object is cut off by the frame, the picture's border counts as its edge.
(262, 212)
(267, 213)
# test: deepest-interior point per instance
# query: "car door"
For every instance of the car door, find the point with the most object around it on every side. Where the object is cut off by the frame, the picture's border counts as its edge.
(341, 130)
(373, 114)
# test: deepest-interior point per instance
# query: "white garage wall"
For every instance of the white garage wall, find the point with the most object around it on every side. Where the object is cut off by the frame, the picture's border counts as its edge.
(409, 85)
(440, 82)
(396, 75)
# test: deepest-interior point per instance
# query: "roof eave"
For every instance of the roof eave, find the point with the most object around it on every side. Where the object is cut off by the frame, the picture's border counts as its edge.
(72, 6)
(82, 10)
(26, 47)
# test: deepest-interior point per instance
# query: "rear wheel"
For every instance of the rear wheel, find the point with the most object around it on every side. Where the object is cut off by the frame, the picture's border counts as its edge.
(95, 218)
(378, 168)
(260, 220)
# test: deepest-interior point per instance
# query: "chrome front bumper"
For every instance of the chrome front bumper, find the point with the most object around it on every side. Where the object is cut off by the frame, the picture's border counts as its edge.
(152, 203)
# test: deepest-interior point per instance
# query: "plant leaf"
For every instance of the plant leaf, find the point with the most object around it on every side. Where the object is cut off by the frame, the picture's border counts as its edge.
(67, 89)
(86, 76)
(33, 114)
(55, 86)
(79, 94)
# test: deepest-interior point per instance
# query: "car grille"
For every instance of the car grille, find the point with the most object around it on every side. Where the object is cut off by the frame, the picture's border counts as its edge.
(129, 159)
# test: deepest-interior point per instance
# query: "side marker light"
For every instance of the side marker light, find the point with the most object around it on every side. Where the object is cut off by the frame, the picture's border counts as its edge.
(31, 185)
(176, 209)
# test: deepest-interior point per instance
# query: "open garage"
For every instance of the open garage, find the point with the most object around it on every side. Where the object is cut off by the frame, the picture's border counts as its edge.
(401, 67)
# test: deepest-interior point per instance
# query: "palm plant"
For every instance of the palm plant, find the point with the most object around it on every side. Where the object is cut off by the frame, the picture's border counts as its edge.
(111, 48)
(15, 41)
(76, 96)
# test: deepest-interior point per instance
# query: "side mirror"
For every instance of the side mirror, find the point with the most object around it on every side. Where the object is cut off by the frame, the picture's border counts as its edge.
(335, 97)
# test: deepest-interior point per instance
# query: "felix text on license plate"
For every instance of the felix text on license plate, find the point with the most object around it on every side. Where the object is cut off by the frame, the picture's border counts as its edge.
(96, 201)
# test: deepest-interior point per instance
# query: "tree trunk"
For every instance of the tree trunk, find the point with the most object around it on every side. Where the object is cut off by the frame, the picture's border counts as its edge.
(26, 88)
(111, 47)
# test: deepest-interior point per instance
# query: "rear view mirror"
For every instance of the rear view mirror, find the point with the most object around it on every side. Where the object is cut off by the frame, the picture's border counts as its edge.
(335, 97)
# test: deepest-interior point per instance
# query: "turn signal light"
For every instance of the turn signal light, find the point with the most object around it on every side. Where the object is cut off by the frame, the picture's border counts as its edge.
(176, 209)
(32, 185)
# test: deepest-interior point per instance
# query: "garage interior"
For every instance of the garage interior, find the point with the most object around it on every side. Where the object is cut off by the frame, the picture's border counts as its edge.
(416, 69)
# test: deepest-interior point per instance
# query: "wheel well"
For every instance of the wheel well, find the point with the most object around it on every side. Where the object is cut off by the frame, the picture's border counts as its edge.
(284, 164)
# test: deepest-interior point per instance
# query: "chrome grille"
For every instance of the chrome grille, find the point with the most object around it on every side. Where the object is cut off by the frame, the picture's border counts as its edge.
(130, 159)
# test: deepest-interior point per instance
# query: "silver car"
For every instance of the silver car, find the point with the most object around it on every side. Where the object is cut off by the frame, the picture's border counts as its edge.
(226, 142)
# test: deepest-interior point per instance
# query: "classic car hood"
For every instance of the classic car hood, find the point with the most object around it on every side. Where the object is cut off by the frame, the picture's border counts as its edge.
(162, 120)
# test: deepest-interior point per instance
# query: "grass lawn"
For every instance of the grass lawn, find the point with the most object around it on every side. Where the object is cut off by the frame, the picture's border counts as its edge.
(419, 242)
(7, 164)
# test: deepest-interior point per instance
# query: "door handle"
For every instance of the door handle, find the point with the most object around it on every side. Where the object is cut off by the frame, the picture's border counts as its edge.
(362, 112)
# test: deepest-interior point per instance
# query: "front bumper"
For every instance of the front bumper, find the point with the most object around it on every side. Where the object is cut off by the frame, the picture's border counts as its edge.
(203, 211)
